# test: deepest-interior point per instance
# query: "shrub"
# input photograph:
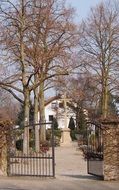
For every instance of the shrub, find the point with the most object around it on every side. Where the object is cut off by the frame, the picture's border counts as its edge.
(71, 124)
(57, 136)
(19, 144)
(73, 135)
(32, 144)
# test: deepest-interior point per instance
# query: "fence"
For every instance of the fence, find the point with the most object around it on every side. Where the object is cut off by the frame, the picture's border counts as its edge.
(32, 163)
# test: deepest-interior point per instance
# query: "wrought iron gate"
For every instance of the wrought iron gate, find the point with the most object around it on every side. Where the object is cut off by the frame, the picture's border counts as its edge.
(95, 149)
(32, 163)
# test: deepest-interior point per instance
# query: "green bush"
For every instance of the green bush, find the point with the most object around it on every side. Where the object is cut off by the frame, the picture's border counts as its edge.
(57, 133)
(71, 124)
(32, 144)
(55, 123)
(57, 141)
(19, 144)
(73, 134)
(48, 134)
(57, 136)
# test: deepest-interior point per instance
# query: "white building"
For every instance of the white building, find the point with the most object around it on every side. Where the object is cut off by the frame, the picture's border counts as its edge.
(59, 110)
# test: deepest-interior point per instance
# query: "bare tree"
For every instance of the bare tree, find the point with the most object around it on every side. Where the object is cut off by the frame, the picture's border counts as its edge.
(38, 38)
(15, 24)
(82, 92)
(99, 45)
(53, 36)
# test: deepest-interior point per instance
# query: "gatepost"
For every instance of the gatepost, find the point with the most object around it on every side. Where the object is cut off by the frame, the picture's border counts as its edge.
(4, 147)
(111, 149)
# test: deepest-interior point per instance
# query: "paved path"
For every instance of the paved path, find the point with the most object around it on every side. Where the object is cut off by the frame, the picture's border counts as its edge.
(71, 174)
(70, 162)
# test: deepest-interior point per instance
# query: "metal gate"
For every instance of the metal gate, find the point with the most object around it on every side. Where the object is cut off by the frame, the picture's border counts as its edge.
(95, 149)
(32, 163)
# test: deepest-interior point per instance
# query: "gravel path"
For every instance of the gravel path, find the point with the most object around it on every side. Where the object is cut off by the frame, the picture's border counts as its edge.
(70, 162)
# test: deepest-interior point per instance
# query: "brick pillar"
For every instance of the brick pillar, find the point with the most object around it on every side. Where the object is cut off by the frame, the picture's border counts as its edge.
(4, 144)
(3, 156)
(111, 150)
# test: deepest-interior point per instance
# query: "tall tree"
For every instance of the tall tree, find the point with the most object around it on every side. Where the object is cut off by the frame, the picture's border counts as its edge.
(99, 44)
(38, 37)
(14, 17)
(53, 35)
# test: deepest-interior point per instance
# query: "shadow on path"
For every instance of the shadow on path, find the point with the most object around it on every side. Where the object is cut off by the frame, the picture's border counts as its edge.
(11, 188)
(88, 177)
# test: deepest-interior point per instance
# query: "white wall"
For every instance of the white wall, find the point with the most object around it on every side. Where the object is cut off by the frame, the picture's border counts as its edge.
(59, 114)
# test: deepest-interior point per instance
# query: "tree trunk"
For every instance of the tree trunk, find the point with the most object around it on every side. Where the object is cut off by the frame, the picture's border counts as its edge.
(105, 102)
(42, 113)
(26, 121)
(37, 143)
(104, 97)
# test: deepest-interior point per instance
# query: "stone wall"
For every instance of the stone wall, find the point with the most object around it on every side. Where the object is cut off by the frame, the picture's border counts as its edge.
(4, 129)
(111, 150)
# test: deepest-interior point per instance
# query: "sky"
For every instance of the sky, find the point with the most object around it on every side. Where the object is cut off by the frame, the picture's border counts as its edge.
(83, 7)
